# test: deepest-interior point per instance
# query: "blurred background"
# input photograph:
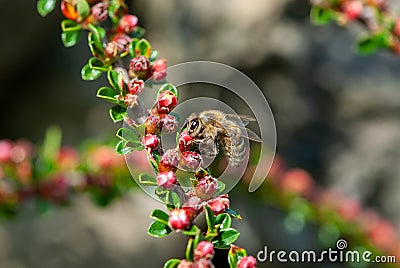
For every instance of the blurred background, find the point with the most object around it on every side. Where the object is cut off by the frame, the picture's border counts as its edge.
(337, 116)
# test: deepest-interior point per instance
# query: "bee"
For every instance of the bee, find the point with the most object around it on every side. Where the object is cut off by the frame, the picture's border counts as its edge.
(212, 128)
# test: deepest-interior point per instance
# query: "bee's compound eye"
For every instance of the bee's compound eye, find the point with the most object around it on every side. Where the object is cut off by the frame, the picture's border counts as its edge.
(194, 124)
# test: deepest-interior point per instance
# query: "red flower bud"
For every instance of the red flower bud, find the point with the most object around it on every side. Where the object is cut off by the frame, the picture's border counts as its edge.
(185, 141)
(5, 150)
(169, 161)
(396, 29)
(153, 124)
(166, 179)
(111, 50)
(204, 250)
(169, 122)
(179, 219)
(140, 65)
(297, 181)
(55, 190)
(130, 100)
(166, 102)
(352, 9)
(219, 204)
(191, 160)
(122, 41)
(195, 204)
(69, 10)
(203, 263)
(159, 70)
(127, 24)
(185, 264)
(247, 262)
(99, 12)
(135, 86)
(150, 141)
(206, 187)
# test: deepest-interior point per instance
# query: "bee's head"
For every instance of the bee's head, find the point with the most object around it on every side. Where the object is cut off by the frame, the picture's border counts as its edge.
(192, 126)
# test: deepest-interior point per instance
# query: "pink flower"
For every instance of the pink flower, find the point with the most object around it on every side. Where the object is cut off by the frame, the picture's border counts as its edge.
(150, 141)
(169, 161)
(99, 12)
(166, 179)
(191, 160)
(140, 65)
(170, 124)
(247, 262)
(203, 263)
(219, 204)
(5, 150)
(185, 264)
(297, 181)
(204, 250)
(179, 219)
(352, 9)
(159, 70)
(206, 187)
(135, 86)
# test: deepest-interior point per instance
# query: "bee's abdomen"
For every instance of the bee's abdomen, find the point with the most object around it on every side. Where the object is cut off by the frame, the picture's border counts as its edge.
(235, 149)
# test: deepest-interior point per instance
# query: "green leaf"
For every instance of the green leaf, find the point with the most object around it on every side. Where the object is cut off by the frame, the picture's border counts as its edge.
(169, 87)
(224, 220)
(194, 230)
(210, 218)
(147, 179)
(90, 74)
(108, 94)
(70, 25)
(370, 44)
(220, 188)
(235, 254)
(189, 250)
(114, 78)
(225, 238)
(139, 32)
(128, 134)
(153, 55)
(123, 149)
(132, 47)
(143, 48)
(233, 213)
(172, 263)
(44, 7)
(158, 229)
(161, 216)
(52, 143)
(97, 64)
(97, 35)
(321, 16)
(71, 38)
(117, 113)
(173, 199)
(83, 8)
(211, 234)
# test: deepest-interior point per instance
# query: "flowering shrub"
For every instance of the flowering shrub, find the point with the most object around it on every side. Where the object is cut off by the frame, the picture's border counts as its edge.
(383, 27)
(111, 47)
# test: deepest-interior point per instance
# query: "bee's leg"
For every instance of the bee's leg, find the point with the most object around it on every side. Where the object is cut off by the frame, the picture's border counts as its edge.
(208, 148)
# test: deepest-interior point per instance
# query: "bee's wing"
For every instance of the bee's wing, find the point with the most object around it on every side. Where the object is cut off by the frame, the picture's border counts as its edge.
(252, 136)
(245, 119)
